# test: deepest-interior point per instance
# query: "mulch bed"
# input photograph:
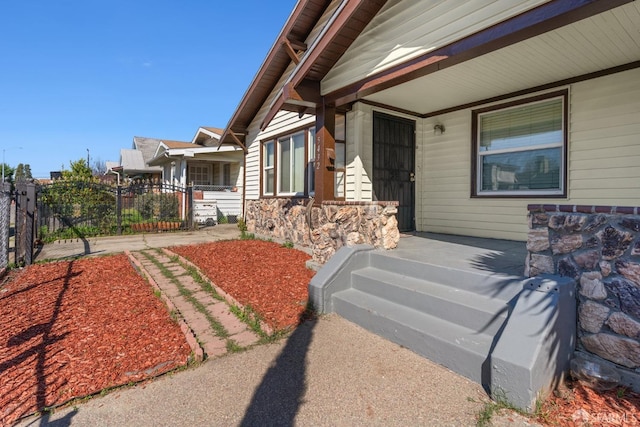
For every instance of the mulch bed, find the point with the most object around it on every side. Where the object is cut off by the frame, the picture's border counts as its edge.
(579, 406)
(270, 278)
(71, 329)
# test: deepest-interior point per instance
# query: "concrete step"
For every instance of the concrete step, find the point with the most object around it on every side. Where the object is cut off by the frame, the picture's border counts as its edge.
(461, 349)
(475, 311)
(493, 285)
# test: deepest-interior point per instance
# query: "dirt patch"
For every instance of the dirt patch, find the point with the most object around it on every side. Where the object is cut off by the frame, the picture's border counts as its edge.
(71, 329)
(268, 277)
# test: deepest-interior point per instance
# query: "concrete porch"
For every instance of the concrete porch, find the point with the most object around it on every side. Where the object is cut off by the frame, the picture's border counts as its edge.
(494, 256)
(462, 302)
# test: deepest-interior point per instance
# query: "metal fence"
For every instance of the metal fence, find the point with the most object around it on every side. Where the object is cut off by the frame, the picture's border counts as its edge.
(77, 209)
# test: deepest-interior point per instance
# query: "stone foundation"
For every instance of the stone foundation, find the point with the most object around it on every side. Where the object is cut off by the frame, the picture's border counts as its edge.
(325, 228)
(599, 246)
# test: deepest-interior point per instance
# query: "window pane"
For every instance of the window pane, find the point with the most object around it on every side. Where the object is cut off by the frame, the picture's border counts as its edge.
(285, 165)
(340, 155)
(523, 126)
(298, 163)
(268, 181)
(268, 154)
(312, 143)
(523, 170)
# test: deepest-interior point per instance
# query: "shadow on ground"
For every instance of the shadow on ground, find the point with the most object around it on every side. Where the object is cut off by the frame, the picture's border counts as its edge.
(278, 398)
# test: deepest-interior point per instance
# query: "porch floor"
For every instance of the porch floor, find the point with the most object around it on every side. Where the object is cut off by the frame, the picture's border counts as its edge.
(489, 256)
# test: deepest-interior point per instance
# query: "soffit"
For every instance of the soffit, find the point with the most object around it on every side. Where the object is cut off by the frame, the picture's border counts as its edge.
(603, 41)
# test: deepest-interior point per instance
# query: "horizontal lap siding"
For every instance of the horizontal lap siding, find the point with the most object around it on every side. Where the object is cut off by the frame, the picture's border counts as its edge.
(605, 141)
(444, 204)
(604, 163)
(405, 29)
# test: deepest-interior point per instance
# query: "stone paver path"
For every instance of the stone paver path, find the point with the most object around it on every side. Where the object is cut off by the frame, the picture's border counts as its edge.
(207, 314)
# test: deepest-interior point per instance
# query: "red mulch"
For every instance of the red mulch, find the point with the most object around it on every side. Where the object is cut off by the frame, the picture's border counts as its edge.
(71, 329)
(266, 276)
(580, 406)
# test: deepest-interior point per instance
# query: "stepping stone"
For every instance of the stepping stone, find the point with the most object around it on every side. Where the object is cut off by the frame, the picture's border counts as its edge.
(245, 338)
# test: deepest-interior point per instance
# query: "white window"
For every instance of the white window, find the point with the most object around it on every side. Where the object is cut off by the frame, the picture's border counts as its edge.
(268, 160)
(520, 148)
(200, 174)
(288, 164)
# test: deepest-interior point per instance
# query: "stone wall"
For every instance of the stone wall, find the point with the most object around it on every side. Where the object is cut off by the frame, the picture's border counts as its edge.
(599, 246)
(325, 228)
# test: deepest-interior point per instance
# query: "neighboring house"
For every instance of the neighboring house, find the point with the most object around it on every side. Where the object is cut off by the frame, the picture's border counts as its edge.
(471, 118)
(214, 171)
(133, 161)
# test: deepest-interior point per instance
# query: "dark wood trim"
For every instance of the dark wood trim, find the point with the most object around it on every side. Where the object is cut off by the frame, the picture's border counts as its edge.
(343, 18)
(544, 18)
(290, 51)
(565, 146)
(325, 144)
(237, 140)
(296, 44)
(540, 88)
(390, 108)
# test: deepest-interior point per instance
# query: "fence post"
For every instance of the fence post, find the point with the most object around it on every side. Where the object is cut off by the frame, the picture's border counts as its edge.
(189, 194)
(5, 227)
(25, 222)
(119, 209)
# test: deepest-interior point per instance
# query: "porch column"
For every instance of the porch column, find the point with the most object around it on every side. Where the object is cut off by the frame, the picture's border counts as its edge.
(325, 153)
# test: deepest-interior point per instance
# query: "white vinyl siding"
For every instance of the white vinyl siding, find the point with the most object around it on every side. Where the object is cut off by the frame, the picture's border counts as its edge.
(405, 29)
(604, 160)
(603, 163)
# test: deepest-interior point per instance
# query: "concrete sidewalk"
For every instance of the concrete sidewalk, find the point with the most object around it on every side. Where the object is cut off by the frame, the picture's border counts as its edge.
(95, 246)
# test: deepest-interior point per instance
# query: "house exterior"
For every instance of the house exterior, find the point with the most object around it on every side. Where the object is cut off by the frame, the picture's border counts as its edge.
(515, 120)
(443, 82)
(214, 171)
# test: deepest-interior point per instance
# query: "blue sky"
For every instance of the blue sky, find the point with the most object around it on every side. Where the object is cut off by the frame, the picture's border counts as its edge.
(92, 74)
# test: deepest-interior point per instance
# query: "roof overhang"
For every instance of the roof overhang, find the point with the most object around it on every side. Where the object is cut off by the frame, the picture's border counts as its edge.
(290, 42)
(481, 47)
(226, 153)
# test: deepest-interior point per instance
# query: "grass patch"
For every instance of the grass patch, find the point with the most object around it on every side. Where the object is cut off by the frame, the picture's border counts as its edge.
(188, 295)
(494, 407)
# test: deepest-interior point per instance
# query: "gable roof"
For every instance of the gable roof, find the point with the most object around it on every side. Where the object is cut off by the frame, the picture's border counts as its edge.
(147, 147)
(132, 161)
(302, 20)
(207, 136)
(178, 144)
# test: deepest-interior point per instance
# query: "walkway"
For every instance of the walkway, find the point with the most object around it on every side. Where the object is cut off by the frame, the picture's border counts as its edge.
(193, 298)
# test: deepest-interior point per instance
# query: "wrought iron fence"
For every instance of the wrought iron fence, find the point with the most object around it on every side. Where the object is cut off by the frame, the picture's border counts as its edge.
(76, 209)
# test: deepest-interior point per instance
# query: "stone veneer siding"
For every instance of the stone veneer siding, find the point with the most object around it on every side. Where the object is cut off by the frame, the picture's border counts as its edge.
(325, 228)
(599, 246)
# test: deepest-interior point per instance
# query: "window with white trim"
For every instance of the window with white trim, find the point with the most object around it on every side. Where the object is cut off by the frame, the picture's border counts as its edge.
(268, 172)
(520, 148)
(200, 174)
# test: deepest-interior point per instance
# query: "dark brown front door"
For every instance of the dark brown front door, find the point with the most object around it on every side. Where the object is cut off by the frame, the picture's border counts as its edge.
(394, 165)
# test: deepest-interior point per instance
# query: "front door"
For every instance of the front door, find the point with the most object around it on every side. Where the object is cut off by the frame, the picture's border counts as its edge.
(393, 165)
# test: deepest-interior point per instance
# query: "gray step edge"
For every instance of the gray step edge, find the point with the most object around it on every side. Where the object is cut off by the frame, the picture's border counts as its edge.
(469, 309)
